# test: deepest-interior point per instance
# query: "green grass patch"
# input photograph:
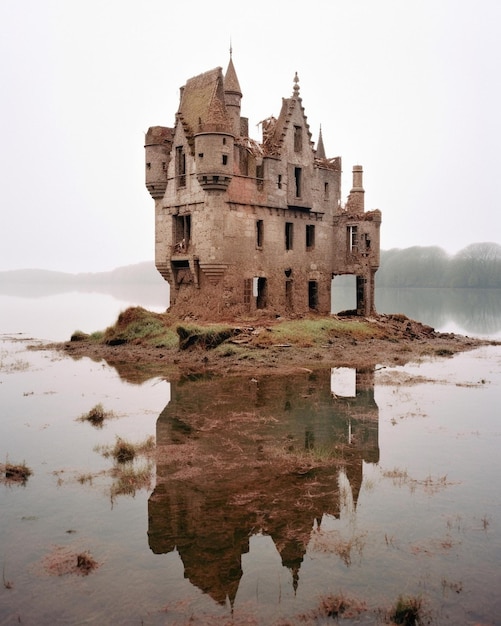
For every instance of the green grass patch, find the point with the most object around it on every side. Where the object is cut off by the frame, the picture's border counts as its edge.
(310, 332)
(137, 325)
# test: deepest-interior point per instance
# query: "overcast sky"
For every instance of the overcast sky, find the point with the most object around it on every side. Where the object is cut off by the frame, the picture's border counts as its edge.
(410, 90)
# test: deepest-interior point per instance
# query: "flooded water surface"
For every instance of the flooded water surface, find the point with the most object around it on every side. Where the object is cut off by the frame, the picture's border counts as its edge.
(264, 500)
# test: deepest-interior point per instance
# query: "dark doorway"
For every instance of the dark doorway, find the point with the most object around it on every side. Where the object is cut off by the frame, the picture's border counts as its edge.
(261, 293)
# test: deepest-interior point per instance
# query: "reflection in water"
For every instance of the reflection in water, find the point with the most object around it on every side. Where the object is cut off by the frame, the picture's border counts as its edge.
(468, 311)
(240, 457)
(475, 311)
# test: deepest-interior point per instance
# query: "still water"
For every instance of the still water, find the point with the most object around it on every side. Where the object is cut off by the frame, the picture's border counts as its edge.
(265, 497)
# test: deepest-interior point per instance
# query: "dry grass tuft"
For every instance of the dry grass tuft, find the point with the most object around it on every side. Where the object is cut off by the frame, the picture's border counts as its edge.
(408, 611)
(125, 451)
(15, 473)
(63, 560)
(335, 606)
(96, 416)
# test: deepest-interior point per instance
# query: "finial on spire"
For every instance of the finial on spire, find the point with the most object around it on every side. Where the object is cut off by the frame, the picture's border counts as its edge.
(231, 48)
(296, 85)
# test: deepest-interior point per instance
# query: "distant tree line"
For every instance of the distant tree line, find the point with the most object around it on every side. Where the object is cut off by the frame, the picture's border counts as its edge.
(477, 265)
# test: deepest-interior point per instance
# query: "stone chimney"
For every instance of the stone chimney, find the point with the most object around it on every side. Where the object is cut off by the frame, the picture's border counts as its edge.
(355, 202)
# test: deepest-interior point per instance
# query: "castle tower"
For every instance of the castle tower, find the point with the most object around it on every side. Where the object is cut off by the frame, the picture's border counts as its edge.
(233, 97)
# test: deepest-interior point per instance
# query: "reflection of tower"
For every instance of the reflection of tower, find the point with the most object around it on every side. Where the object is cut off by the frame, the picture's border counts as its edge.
(233, 461)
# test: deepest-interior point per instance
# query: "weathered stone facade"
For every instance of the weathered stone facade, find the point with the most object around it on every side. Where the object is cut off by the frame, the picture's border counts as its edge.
(242, 225)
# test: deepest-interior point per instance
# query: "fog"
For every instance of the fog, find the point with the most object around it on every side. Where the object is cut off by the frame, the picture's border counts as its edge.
(409, 90)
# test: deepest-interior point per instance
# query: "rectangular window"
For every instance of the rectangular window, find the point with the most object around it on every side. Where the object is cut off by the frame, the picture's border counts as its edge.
(297, 178)
(182, 233)
(289, 233)
(352, 238)
(310, 236)
(312, 294)
(225, 159)
(259, 233)
(279, 181)
(298, 138)
(180, 167)
(326, 191)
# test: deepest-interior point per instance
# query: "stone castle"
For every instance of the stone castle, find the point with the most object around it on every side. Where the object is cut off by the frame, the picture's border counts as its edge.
(242, 225)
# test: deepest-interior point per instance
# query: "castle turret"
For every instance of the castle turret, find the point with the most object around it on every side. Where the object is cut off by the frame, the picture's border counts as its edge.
(233, 97)
(214, 142)
(158, 145)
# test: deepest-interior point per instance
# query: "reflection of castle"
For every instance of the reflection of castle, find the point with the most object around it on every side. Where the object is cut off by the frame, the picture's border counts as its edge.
(231, 463)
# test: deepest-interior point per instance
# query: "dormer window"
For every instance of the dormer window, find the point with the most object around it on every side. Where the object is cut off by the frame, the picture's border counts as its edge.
(298, 138)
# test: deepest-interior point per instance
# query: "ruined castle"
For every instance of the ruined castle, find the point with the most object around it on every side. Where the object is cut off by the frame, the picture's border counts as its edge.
(242, 225)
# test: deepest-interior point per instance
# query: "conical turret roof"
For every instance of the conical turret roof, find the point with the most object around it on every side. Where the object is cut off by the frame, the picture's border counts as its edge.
(231, 83)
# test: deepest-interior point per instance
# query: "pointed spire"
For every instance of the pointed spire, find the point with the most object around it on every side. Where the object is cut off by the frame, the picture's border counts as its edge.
(296, 86)
(320, 145)
(231, 83)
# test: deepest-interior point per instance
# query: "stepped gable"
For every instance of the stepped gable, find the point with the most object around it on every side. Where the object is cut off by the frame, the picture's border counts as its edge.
(275, 130)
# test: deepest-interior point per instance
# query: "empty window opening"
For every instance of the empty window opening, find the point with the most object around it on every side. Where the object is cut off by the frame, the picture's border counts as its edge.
(224, 141)
(182, 233)
(261, 293)
(259, 233)
(352, 238)
(310, 236)
(326, 191)
(164, 166)
(182, 273)
(298, 138)
(289, 234)
(279, 181)
(148, 166)
(312, 294)
(225, 159)
(297, 177)
(180, 167)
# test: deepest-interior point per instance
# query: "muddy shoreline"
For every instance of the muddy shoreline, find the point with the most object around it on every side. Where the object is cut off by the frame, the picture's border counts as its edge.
(388, 340)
